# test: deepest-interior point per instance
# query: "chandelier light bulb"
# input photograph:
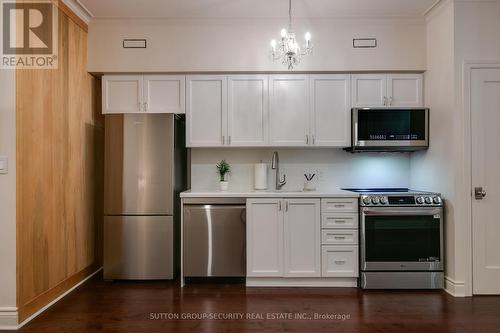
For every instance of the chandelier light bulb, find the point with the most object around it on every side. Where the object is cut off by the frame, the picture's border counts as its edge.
(273, 44)
(308, 36)
(283, 33)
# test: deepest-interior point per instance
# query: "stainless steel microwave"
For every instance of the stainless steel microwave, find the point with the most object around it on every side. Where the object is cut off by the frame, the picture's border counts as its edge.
(389, 129)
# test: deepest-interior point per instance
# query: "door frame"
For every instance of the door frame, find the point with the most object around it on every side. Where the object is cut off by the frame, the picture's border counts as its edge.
(465, 192)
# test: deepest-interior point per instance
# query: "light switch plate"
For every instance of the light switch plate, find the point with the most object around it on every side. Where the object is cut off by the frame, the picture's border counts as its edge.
(4, 164)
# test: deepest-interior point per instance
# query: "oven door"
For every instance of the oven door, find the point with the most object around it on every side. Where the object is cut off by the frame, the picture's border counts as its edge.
(402, 239)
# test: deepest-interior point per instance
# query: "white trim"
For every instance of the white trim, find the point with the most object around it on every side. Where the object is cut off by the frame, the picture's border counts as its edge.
(12, 312)
(8, 318)
(79, 9)
(301, 282)
(454, 288)
(465, 192)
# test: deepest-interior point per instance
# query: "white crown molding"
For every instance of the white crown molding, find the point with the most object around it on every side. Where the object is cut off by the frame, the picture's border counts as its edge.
(79, 9)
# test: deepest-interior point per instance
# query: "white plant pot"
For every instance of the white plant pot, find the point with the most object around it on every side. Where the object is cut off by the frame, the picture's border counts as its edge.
(224, 186)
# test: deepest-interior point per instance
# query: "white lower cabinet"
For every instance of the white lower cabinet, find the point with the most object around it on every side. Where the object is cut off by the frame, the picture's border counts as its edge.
(339, 261)
(283, 238)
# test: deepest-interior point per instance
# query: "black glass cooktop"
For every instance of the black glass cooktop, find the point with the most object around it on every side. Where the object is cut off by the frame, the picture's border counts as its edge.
(379, 190)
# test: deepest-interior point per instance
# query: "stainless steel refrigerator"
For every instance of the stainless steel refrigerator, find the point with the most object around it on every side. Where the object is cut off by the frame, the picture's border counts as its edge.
(145, 170)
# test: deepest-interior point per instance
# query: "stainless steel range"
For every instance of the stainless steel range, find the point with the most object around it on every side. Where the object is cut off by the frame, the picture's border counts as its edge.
(401, 239)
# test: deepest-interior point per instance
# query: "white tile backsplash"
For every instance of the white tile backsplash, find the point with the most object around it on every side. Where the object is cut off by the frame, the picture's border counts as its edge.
(334, 168)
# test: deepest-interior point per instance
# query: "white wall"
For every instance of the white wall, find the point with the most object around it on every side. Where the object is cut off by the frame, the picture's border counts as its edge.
(243, 45)
(434, 169)
(334, 168)
(8, 315)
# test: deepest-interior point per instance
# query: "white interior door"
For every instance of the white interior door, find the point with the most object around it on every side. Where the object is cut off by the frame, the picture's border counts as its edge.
(485, 126)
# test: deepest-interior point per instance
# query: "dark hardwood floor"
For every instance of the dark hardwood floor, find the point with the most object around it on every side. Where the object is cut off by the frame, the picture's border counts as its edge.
(100, 306)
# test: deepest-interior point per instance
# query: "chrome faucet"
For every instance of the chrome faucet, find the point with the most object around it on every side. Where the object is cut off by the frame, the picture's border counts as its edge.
(275, 165)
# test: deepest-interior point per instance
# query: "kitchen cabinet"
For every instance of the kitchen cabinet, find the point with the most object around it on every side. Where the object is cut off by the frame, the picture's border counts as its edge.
(122, 94)
(340, 261)
(247, 112)
(143, 93)
(283, 238)
(382, 90)
(164, 93)
(265, 237)
(302, 238)
(330, 110)
(206, 106)
(289, 110)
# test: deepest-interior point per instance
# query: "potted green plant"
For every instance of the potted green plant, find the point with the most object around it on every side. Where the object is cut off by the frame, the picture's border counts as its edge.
(223, 169)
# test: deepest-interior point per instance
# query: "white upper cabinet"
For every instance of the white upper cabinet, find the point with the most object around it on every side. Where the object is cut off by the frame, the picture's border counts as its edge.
(206, 104)
(302, 238)
(264, 237)
(164, 93)
(369, 90)
(392, 90)
(405, 90)
(247, 112)
(122, 94)
(143, 93)
(289, 110)
(330, 110)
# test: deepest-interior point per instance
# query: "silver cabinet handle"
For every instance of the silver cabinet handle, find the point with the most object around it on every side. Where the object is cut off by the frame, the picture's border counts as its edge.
(340, 262)
(223, 140)
(385, 100)
(229, 140)
(339, 237)
(286, 206)
(314, 140)
(146, 106)
(279, 205)
(390, 101)
(139, 105)
(307, 139)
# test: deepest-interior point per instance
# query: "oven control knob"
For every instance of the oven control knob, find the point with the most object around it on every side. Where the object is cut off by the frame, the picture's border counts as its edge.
(420, 200)
(366, 200)
(428, 200)
(436, 200)
(375, 200)
(383, 200)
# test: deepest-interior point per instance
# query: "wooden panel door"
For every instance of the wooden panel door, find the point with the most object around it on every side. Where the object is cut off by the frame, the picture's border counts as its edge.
(247, 110)
(206, 111)
(302, 233)
(164, 93)
(289, 110)
(330, 100)
(485, 126)
(369, 90)
(264, 237)
(122, 94)
(405, 90)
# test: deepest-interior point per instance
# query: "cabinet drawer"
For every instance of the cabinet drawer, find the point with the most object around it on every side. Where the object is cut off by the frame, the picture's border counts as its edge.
(339, 261)
(339, 237)
(339, 221)
(339, 205)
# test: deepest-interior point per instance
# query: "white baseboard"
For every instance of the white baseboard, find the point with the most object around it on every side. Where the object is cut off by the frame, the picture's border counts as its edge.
(454, 288)
(9, 316)
(301, 282)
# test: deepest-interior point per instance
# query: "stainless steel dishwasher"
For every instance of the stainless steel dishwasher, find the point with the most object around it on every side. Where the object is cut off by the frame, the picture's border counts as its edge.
(214, 237)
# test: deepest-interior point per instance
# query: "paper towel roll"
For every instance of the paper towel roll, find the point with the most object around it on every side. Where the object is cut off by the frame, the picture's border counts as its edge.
(260, 176)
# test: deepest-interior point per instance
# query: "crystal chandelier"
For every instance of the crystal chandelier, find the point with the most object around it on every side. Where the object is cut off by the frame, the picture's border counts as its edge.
(288, 50)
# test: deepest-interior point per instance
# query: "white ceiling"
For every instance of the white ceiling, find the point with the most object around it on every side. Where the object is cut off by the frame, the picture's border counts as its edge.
(203, 9)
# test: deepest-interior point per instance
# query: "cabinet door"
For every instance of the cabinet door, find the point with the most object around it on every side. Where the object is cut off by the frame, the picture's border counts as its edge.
(247, 110)
(405, 90)
(122, 94)
(264, 237)
(289, 110)
(369, 90)
(206, 111)
(164, 93)
(330, 100)
(302, 238)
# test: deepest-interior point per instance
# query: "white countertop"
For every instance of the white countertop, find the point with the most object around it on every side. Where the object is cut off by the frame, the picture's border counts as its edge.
(267, 194)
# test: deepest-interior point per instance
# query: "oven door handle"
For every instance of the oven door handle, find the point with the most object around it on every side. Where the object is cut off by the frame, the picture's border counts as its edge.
(406, 211)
